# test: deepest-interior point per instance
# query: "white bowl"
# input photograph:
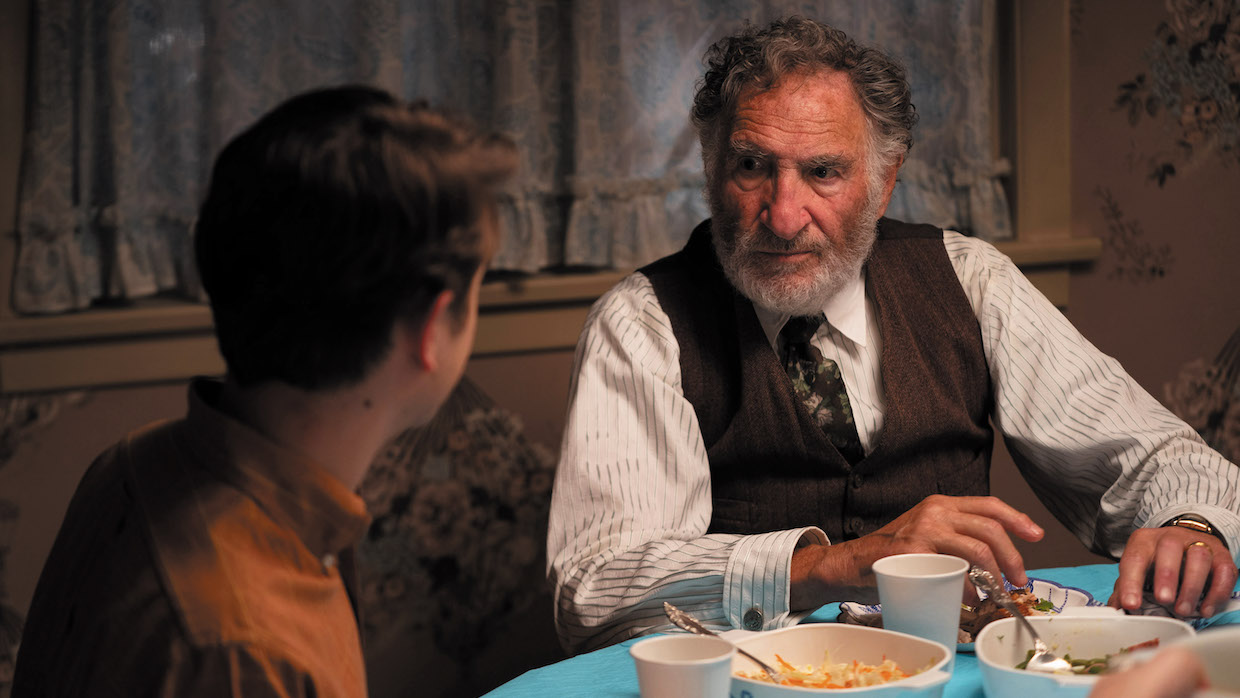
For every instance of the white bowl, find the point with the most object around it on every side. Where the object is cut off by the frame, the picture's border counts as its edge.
(807, 644)
(1003, 644)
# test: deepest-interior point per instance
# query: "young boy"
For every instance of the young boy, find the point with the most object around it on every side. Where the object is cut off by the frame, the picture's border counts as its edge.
(342, 244)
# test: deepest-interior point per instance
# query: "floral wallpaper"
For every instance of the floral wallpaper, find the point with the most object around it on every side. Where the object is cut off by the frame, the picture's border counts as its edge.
(1128, 252)
(457, 544)
(10, 619)
(1191, 86)
(1206, 394)
(19, 415)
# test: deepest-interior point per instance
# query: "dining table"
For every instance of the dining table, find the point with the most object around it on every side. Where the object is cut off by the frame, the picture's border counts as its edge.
(610, 671)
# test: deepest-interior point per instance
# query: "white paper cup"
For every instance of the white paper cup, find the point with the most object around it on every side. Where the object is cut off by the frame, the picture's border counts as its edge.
(920, 595)
(683, 666)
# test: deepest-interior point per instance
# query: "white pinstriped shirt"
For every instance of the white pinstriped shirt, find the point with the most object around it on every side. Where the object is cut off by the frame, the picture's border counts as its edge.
(632, 496)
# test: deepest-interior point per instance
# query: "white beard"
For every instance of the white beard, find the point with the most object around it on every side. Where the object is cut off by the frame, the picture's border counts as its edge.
(788, 294)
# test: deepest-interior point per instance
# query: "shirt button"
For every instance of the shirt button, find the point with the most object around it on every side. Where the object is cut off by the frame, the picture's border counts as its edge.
(329, 561)
(753, 619)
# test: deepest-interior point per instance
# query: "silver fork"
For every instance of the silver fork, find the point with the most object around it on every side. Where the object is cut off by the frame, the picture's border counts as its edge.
(1043, 659)
(685, 621)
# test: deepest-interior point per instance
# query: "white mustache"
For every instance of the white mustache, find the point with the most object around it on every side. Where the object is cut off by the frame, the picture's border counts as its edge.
(765, 241)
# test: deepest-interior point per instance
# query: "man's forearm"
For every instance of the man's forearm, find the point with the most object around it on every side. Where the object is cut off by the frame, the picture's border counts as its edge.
(823, 574)
(614, 596)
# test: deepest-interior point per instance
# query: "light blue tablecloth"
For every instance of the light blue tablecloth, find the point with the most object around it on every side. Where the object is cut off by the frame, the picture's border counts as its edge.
(610, 672)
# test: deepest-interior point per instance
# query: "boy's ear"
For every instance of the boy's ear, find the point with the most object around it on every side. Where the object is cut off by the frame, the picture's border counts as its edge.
(432, 331)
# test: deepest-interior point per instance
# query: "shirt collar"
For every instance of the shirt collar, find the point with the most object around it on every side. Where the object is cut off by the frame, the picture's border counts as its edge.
(845, 311)
(293, 490)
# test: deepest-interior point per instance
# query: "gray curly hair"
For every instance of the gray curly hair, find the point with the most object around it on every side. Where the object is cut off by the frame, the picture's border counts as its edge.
(759, 57)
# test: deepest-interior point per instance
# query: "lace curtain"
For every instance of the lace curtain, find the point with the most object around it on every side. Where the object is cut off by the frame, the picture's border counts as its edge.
(128, 102)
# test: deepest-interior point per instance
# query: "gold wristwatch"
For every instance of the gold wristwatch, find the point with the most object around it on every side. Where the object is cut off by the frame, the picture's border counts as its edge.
(1195, 523)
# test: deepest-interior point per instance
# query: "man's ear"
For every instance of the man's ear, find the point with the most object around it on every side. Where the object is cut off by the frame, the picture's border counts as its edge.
(433, 330)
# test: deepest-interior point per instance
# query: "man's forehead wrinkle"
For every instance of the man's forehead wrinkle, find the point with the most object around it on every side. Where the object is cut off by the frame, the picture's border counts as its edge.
(812, 140)
(800, 93)
(760, 117)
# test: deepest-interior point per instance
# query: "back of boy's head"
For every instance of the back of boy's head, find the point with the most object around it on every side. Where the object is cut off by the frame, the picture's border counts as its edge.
(338, 214)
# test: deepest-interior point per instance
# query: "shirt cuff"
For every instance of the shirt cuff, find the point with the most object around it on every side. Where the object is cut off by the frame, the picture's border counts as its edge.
(758, 578)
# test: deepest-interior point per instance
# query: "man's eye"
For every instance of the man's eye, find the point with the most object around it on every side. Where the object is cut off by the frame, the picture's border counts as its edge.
(823, 172)
(749, 164)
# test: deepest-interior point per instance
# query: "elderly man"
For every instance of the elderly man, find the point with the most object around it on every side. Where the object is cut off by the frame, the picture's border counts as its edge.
(807, 387)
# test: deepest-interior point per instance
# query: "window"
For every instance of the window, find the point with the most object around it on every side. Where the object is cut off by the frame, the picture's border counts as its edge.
(593, 205)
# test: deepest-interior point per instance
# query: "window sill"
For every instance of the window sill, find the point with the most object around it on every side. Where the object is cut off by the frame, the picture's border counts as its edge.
(167, 340)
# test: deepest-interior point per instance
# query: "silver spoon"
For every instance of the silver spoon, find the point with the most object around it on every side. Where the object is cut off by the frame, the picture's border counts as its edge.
(1043, 659)
(687, 622)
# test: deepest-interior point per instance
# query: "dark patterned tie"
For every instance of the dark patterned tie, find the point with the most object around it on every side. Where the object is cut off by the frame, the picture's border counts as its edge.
(819, 385)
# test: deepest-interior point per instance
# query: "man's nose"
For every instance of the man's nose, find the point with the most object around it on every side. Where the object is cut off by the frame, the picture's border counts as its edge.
(783, 212)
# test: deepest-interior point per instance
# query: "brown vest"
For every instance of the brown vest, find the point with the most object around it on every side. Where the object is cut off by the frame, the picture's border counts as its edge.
(771, 467)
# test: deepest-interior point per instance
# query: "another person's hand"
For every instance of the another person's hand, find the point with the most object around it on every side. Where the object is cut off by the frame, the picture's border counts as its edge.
(1174, 672)
(1181, 562)
(977, 529)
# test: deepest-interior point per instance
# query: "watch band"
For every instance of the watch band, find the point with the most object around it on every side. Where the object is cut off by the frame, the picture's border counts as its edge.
(1195, 523)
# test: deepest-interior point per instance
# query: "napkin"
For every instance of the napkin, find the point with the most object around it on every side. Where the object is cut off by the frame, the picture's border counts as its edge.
(1228, 615)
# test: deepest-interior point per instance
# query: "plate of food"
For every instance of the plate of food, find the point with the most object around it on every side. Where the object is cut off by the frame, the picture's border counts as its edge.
(1040, 597)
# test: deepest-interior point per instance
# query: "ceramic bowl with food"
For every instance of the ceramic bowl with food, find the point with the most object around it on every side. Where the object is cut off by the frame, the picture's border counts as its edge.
(814, 644)
(1004, 644)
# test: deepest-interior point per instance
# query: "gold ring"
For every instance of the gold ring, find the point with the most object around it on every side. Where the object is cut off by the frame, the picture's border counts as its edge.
(1196, 543)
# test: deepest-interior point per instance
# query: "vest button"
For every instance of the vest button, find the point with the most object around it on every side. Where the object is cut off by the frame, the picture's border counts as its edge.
(753, 619)
(853, 525)
(855, 481)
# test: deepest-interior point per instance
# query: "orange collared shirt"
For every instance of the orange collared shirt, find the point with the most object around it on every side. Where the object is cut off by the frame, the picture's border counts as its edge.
(198, 558)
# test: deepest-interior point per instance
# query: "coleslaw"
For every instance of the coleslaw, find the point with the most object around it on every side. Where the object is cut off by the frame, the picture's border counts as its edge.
(829, 674)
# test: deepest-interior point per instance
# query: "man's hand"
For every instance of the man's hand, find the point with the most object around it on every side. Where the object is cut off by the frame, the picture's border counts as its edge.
(1182, 561)
(974, 528)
